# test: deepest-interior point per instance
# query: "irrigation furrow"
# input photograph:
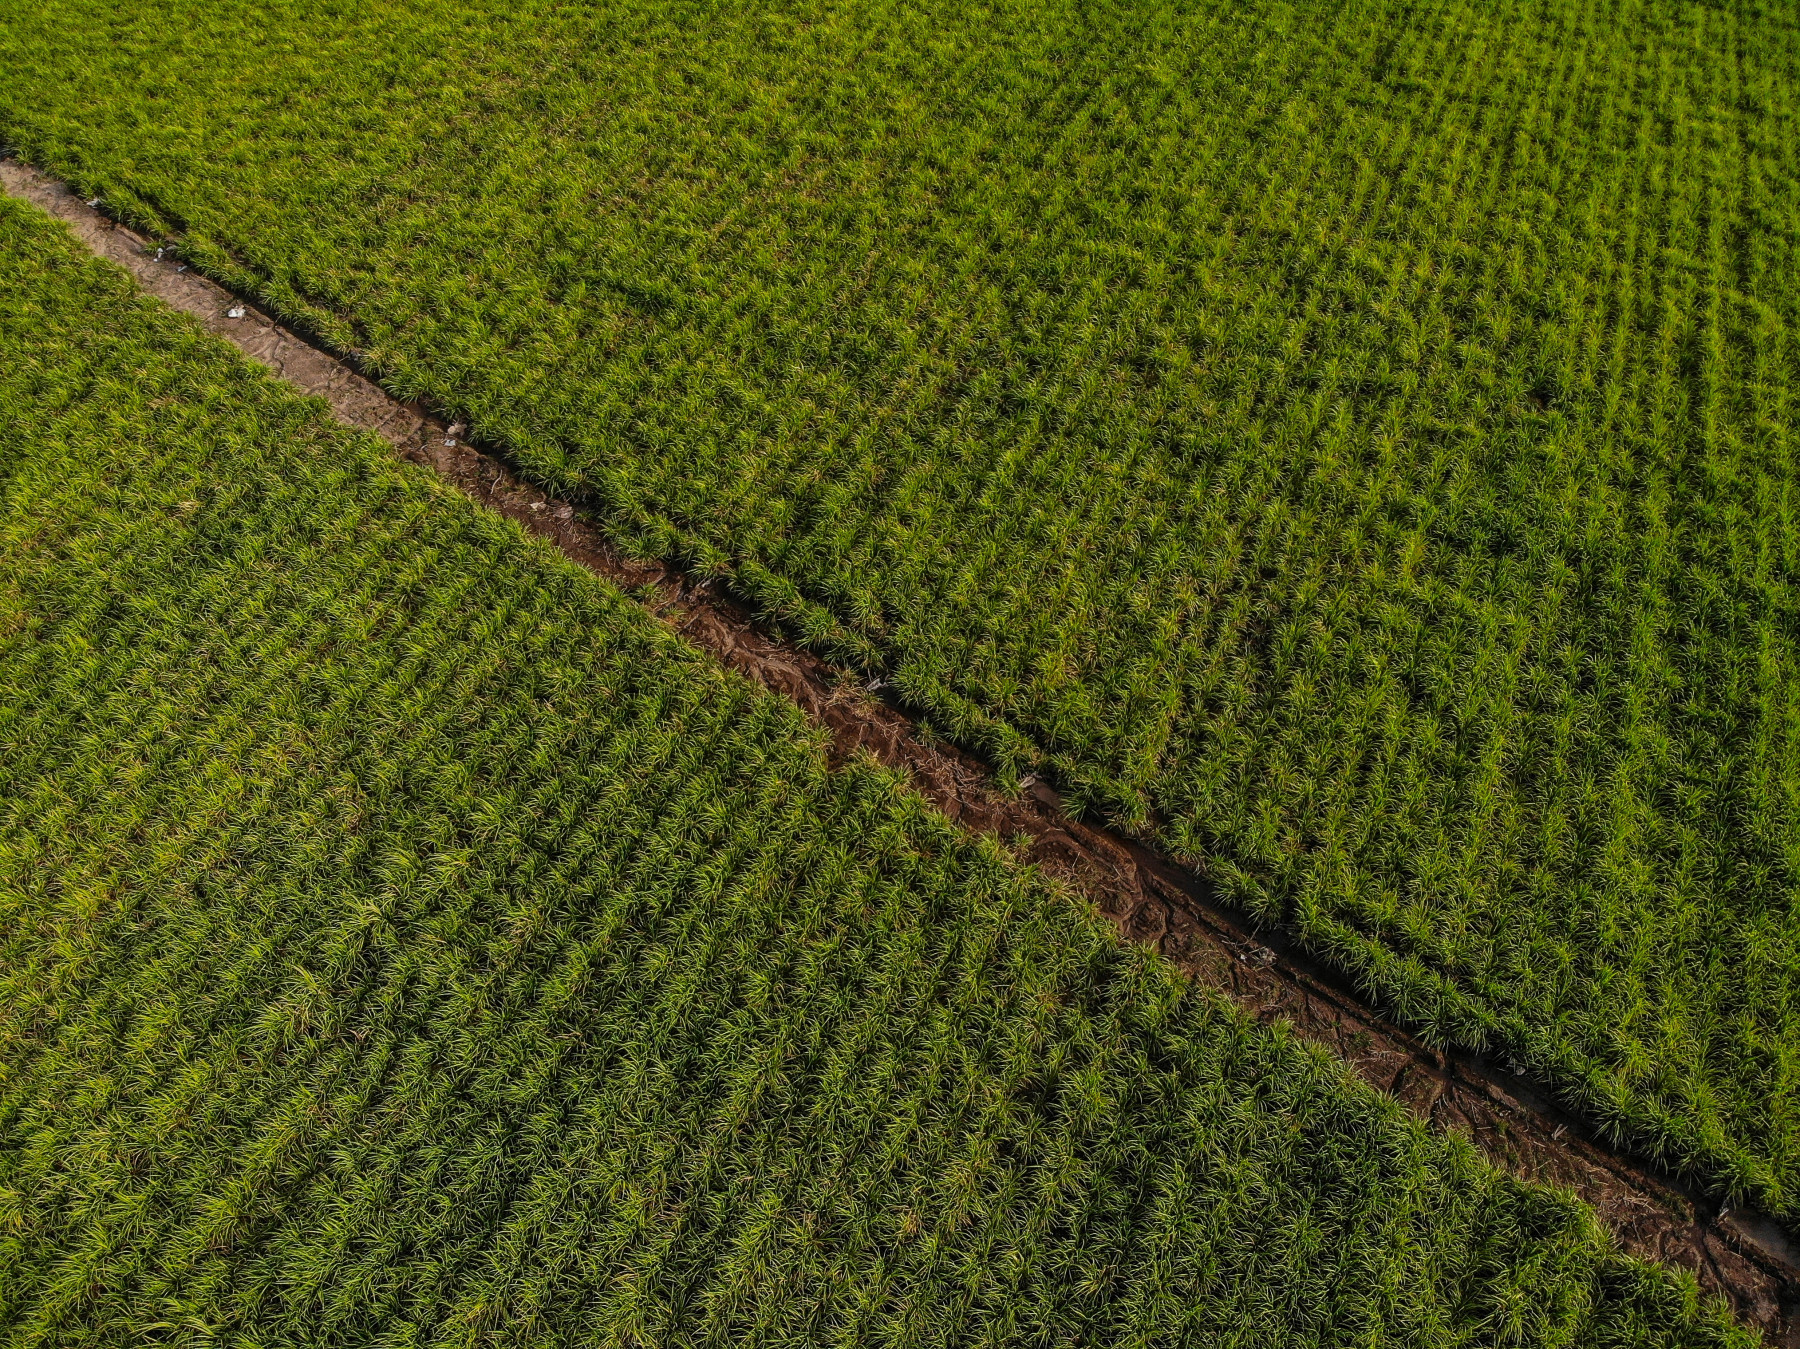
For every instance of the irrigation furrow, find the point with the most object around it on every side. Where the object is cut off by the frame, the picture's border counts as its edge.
(1742, 1254)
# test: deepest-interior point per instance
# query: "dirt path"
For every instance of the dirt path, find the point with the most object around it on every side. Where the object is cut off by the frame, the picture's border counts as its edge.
(1742, 1254)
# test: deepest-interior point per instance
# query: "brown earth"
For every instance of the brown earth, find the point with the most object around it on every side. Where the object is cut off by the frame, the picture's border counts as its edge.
(1742, 1255)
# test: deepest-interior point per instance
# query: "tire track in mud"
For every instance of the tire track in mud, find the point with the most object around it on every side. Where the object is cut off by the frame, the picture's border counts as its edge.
(1742, 1255)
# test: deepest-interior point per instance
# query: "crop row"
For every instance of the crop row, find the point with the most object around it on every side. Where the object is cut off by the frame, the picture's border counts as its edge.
(1354, 442)
(404, 941)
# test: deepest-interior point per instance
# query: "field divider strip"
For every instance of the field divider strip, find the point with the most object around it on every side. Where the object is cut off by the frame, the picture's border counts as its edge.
(1741, 1254)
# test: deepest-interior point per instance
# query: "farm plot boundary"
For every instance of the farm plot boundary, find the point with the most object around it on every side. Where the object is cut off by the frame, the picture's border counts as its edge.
(1351, 442)
(1739, 1253)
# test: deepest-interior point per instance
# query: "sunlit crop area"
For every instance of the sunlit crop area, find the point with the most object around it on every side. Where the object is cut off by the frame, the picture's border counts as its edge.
(1352, 442)
(403, 940)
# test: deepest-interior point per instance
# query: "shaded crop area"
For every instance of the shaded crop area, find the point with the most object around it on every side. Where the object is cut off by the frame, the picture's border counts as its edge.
(403, 940)
(1354, 441)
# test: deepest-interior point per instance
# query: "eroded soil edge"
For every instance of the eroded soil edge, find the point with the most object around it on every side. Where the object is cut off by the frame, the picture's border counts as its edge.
(1744, 1256)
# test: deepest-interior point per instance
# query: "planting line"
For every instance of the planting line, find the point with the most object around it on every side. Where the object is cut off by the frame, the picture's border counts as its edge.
(1740, 1254)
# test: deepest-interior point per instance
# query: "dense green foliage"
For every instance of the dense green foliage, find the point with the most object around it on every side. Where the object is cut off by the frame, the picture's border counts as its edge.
(404, 941)
(1355, 440)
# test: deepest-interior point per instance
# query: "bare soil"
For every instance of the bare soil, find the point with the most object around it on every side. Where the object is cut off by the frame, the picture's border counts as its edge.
(1743, 1255)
